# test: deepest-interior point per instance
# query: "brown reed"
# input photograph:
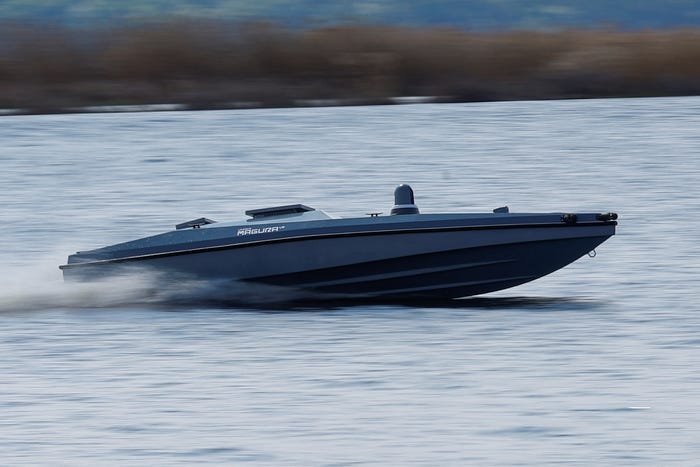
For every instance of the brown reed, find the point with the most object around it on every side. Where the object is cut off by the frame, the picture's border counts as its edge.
(216, 64)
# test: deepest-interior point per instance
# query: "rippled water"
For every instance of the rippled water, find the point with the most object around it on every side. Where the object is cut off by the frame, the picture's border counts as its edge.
(595, 364)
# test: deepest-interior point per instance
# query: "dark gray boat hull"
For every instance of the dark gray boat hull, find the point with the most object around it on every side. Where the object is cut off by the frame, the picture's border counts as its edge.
(438, 256)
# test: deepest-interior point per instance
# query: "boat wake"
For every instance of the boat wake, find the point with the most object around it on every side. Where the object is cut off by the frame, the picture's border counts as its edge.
(40, 286)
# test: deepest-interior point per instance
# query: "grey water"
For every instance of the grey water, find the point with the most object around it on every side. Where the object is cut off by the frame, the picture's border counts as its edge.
(596, 364)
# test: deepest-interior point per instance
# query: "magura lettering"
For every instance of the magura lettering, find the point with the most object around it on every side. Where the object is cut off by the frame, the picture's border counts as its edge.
(259, 230)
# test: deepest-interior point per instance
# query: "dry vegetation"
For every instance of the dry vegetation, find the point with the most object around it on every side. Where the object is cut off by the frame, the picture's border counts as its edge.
(212, 65)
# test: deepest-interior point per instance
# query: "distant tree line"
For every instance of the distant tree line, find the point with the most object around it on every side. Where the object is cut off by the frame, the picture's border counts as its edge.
(208, 64)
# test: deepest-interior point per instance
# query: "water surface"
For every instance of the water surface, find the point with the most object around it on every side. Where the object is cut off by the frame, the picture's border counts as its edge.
(595, 364)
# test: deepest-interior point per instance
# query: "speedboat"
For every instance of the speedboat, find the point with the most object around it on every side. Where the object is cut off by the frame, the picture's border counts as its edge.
(404, 254)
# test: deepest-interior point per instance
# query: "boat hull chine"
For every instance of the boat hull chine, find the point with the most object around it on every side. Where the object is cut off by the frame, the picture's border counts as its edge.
(445, 274)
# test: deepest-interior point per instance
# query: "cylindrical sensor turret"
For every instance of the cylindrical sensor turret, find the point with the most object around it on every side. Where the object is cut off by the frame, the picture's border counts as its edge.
(403, 201)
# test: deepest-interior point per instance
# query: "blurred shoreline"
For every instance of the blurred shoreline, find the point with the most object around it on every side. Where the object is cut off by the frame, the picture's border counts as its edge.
(188, 65)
